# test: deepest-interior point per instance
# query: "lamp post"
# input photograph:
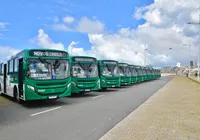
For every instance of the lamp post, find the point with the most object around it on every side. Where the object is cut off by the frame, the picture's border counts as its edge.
(189, 45)
(197, 23)
(145, 53)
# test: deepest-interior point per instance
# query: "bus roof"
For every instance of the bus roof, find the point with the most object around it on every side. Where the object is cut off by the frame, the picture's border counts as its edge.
(78, 56)
(108, 60)
(83, 59)
(38, 49)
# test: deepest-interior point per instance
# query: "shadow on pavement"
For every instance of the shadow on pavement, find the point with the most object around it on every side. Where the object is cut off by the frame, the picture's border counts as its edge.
(81, 95)
(108, 90)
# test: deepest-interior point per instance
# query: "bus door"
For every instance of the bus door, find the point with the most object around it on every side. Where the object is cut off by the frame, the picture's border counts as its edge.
(4, 78)
(20, 77)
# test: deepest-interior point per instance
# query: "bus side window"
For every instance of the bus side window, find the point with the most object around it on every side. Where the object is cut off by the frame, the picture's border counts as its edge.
(10, 67)
(16, 65)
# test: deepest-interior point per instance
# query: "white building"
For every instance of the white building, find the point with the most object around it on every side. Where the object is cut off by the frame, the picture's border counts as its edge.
(178, 64)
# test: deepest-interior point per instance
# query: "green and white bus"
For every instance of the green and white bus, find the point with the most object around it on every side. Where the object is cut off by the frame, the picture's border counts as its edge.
(139, 73)
(125, 74)
(133, 74)
(108, 73)
(84, 73)
(35, 74)
(144, 74)
(148, 73)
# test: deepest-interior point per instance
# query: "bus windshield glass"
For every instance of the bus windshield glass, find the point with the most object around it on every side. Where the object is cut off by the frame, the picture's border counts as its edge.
(85, 70)
(110, 70)
(46, 69)
(124, 71)
(133, 71)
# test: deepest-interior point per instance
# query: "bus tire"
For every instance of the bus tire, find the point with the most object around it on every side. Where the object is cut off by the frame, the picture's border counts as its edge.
(16, 95)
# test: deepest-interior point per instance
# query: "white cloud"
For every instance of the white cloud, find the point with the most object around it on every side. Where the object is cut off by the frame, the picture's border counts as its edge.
(56, 19)
(7, 51)
(68, 19)
(43, 40)
(84, 25)
(87, 25)
(3, 25)
(165, 28)
(60, 27)
(153, 17)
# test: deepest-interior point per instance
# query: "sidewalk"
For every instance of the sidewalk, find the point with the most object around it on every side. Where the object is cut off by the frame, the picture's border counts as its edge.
(194, 78)
(173, 113)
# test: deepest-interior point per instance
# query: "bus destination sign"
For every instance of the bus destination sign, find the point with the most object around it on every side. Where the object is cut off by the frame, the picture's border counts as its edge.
(79, 59)
(110, 62)
(123, 65)
(47, 53)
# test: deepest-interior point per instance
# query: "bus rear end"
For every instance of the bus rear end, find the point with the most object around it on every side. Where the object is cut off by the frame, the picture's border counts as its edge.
(109, 74)
(84, 72)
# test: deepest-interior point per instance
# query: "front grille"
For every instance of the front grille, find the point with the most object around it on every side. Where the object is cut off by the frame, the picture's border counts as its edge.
(86, 80)
(51, 84)
(112, 78)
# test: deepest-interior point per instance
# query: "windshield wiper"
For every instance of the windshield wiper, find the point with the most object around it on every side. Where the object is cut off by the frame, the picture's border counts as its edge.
(111, 68)
(57, 63)
(43, 60)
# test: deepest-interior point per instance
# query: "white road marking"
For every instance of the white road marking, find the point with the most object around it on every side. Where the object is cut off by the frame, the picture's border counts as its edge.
(122, 89)
(97, 96)
(45, 111)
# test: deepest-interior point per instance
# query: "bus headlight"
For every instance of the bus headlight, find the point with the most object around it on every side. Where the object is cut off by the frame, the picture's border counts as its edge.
(31, 87)
(68, 85)
(73, 83)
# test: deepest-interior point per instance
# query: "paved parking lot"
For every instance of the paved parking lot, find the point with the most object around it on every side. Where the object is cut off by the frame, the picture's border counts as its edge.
(80, 117)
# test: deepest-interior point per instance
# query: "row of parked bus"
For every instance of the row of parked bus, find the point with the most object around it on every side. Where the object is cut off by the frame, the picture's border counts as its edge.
(35, 74)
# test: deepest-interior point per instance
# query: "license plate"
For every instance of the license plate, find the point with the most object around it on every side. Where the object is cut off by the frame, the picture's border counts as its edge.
(87, 89)
(113, 86)
(52, 97)
(125, 83)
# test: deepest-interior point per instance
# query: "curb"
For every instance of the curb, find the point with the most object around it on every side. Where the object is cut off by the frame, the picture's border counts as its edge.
(194, 80)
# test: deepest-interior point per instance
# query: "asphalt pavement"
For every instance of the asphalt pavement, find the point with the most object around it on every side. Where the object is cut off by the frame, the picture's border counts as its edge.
(80, 117)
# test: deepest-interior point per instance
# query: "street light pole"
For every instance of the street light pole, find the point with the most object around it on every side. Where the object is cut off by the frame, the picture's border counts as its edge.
(197, 23)
(145, 50)
(189, 45)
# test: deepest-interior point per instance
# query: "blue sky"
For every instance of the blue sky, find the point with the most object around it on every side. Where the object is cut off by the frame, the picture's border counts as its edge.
(106, 29)
(25, 18)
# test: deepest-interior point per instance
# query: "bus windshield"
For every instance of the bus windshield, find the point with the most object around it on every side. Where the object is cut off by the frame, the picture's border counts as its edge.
(85, 70)
(124, 71)
(110, 70)
(41, 69)
(133, 72)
